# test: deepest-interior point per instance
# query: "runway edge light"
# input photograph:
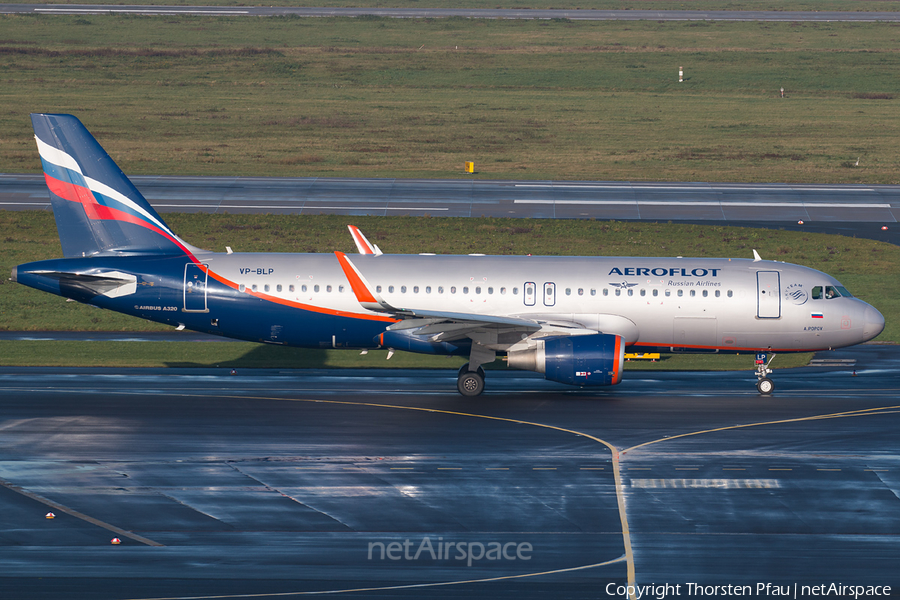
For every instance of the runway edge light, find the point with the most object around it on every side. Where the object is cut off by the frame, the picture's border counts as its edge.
(115, 541)
(49, 515)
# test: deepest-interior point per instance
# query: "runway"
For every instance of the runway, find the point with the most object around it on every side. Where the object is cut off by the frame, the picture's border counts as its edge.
(283, 482)
(847, 209)
(486, 13)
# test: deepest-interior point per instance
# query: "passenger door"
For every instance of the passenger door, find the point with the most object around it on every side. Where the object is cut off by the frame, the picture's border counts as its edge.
(768, 294)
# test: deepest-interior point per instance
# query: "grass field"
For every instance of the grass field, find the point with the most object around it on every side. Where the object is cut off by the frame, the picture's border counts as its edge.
(801, 5)
(417, 98)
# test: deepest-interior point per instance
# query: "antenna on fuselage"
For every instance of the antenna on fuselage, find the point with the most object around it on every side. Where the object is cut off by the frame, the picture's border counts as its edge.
(756, 256)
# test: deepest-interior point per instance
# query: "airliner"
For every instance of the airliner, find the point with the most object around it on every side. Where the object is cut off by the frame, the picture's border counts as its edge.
(570, 318)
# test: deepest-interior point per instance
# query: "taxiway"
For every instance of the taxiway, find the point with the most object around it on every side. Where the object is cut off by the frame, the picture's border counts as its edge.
(280, 482)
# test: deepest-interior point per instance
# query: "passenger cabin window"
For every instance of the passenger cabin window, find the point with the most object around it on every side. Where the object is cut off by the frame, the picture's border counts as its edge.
(303, 288)
(655, 293)
(593, 292)
(730, 293)
(402, 289)
(266, 288)
(643, 292)
(718, 293)
(415, 289)
(618, 291)
(377, 288)
(581, 291)
(465, 289)
(453, 289)
(316, 288)
(427, 289)
(680, 293)
(606, 291)
(328, 288)
(568, 291)
(278, 288)
(390, 289)
(291, 288)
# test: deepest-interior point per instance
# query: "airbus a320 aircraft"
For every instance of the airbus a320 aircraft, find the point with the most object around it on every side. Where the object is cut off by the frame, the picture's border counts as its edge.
(570, 318)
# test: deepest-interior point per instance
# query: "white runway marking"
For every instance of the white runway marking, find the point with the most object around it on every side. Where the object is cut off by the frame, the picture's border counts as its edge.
(678, 203)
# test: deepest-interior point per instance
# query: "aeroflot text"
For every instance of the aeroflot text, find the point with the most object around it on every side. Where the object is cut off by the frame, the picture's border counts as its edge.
(662, 591)
(664, 272)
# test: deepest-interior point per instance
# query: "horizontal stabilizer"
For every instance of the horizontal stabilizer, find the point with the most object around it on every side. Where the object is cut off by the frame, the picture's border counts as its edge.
(112, 284)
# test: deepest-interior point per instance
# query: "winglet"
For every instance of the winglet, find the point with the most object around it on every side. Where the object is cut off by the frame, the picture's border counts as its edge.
(362, 244)
(361, 288)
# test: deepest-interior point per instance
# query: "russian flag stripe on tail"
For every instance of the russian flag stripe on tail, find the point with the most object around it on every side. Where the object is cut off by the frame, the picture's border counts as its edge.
(97, 209)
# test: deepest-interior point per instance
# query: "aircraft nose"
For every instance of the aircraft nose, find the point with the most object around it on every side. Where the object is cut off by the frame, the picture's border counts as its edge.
(874, 323)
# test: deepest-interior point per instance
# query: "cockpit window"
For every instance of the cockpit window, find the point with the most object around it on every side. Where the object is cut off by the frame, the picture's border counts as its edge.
(843, 291)
(830, 291)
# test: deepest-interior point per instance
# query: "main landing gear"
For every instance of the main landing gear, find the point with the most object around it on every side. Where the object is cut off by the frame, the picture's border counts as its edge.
(470, 383)
(470, 379)
(763, 383)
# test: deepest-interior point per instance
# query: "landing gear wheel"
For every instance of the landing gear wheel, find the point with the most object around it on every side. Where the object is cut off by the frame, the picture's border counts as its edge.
(765, 386)
(470, 383)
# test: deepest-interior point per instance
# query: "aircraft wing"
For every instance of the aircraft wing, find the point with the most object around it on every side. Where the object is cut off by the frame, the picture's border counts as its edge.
(506, 330)
(441, 325)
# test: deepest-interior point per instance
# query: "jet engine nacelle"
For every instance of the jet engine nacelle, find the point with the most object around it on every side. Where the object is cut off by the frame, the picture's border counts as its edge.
(576, 360)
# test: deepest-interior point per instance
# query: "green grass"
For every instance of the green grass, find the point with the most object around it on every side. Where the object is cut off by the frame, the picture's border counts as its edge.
(418, 97)
(247, 355)
(797, 5)
(870, 269)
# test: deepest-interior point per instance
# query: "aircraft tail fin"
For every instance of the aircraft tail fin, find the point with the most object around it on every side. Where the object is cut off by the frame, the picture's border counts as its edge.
(97, 209)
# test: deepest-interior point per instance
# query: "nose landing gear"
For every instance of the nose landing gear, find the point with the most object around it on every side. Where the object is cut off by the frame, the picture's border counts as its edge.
(764, 384)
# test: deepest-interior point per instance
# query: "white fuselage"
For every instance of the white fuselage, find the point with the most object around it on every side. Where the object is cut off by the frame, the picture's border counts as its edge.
(683, 303)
